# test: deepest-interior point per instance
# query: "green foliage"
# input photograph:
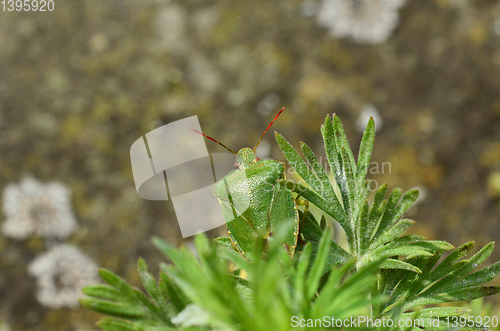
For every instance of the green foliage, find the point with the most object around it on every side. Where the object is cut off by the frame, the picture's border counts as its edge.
(409, 275)
(372, 231)
(382, 274)
(449, 281)
(207, 293)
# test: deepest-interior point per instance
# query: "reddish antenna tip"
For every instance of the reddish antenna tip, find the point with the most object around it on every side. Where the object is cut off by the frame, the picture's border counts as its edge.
(275, 117)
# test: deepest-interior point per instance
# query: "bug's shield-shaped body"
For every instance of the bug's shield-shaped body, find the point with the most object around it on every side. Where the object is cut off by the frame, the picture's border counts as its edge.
(254, 204)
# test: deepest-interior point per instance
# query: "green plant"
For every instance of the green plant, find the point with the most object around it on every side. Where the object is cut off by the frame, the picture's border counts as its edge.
(383, 273)
(205, 292)
(372, 231)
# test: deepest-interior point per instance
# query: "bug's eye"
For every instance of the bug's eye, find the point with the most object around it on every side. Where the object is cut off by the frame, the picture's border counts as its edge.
(235, 164)
(257, 158)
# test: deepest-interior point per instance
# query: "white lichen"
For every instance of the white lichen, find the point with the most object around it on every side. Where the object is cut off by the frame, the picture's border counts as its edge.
(171, 25)
(267, 105)
(61, 273)
(33, 208)
(496, 27)
(365, 21)
(202, 73)
(5, 326)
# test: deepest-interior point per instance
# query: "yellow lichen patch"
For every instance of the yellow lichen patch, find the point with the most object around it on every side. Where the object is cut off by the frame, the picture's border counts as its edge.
(72, 128)
(478, 34)
(493, 183)
(405, 165)
(490, 157)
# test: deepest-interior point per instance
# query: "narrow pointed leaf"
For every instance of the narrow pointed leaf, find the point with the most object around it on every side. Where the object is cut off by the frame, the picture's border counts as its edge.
(448, 264)
(111, 324)
(113, 308)
(436, 312)
(298, 164)
(332, 208)
(326, 187)
(104, 292)
(312, 234)
(177, 298)
(224, 242)
(365, 152)
(374, 221)
(392, 233)
(457, 274)
(397, 264)
(117, 282)
(342, 139)
(362, 227)
(348, 175)
(389, 211)
(317, 269)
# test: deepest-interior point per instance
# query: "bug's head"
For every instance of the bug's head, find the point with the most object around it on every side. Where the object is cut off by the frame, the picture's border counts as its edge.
(245, 158)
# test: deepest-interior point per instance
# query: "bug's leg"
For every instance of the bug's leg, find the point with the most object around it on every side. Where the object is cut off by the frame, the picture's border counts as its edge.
(305, 203)
(302, 202)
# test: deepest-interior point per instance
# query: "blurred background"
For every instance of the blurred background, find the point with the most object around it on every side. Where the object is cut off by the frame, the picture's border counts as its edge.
(79, 84)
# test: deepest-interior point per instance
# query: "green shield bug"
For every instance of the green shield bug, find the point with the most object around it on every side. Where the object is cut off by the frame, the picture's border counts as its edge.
(253, 203)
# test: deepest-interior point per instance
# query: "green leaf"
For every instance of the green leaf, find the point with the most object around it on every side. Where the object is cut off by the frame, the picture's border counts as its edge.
(467, 294)
(111, 324)
(149, 284)
(341, 161)
(202, 245)
(376, 211)
(392, 212)
(450, 263)
(112, 308)
(241, 281)
(170, 290)
(144, 300)
(312, 234)
(453, 278)
(104, 292)
(117, 282)
(341, 138)
(224, 242)
(397, 264)
(389, 212)
(482, 276)
(362, 226)
(318, 265)
(298, 164)
(348, 185)
(365, 151)
(392, 233)
(333, 149)
(300, 273)
(436, 312)
(334, 209)
(318, 171)
(413, 250)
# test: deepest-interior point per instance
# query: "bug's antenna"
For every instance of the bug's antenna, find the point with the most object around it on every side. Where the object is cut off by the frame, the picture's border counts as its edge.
(258, 142)
(208, 137)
